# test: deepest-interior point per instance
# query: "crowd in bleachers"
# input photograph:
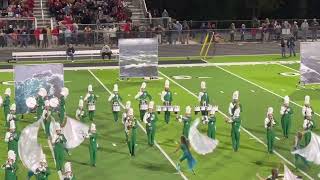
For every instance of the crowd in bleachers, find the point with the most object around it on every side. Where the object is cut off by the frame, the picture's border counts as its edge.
(17, 8)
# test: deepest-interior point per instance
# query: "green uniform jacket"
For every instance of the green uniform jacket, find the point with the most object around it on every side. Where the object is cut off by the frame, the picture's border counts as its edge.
(40, 106)
(42, 175)
(10, 172)
(6, 105)
(152, 125)
(287, 116)
(92, 98)
(186, 126)
(204, 99)
(168, 97)
(13, 144)
(144, 96)
(93, 141)
(59, 143)
(212, 127)
(116, 99)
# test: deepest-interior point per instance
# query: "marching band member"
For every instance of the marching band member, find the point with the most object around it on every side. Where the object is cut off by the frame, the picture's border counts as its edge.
(125, 116)
(115, 99)
(43, 171)
(212, 123)
(46, 114)
(203, 99)
(269, 124)
(235, 109)
(68, 174)
(185, 148)
(298, 145)
(142, 97)
(58, 140)
(10, 167)
(80, 113)
(308, 126)
(131, 129)
(93, 144)
(91, 99)
(286, 112)
(166, 98)
(150, 118)
(12, 115)
(6, 103)
(12, 138)
(62, 101)
(42, 93)
(306, 106)
(186, 119)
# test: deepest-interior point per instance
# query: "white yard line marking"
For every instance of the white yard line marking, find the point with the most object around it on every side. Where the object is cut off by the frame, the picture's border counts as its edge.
(245, 130)
(143, 129)
(252, 90)
(288, 67)
(277, 138)
(221, 92)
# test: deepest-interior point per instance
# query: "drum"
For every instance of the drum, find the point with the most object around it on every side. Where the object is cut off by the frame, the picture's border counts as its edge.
(31, 102)
(209, 108)
(176, 109)
(54, 102)
(170, 108)
(203, 108)
(116, 108)
(164, 108)
(91, 107)
(196, 110)
(144, 106)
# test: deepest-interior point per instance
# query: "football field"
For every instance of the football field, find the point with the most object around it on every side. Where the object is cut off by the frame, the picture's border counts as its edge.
(261, 85)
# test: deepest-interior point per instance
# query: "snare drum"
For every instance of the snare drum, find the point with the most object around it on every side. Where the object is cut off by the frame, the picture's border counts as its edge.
(209, 108)
(144, 106)
(91, 107)
(170, 108)
(116, 108)
(159, 108)
(176, 109)
(203, 108)
(164, 108)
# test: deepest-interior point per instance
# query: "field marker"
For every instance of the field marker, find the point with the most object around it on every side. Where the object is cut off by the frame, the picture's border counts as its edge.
(143, 129)
(277, 138)
(221, 92)
(252, 90)
(244, 129)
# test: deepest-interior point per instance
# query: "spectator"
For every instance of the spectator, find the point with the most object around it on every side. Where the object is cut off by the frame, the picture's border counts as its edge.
(179, 30)
(185, 33)
(113, 35)
(55, 34)
(87, 36)
(243, 31)
(37, 37)
(232, 32)
(106, 51)
(203, 31)
(278, 31)
(314, 29)
(49, 36)
(159, 30)
(304, 29)
(67, 35)
(165, 18)
(295, 29)
(2, 39)
(283, 48)
(24, 38)
(291, 45)
(70, 52)
(44, 43)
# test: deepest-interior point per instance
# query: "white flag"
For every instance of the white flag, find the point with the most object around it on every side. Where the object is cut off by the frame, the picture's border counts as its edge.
(312, 151)
(288, 175)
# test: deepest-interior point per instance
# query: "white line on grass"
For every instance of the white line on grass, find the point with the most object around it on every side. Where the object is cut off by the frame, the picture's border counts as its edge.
(245, 130)
(143, 129)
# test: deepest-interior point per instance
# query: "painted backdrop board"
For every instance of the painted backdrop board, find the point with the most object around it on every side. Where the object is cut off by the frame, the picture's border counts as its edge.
(310, 62)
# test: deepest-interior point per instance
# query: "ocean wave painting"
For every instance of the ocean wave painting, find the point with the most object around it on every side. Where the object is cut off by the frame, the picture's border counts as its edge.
(30, 78)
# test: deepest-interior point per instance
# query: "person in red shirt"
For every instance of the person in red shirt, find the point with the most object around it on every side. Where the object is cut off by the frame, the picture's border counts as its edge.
(37, 36)
(55, 34)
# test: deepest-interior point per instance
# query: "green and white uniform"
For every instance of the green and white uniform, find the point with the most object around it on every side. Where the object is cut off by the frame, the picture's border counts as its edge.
(115, 100)
(308, 126)
(269, 124)
(131, 130)
(40, 106)
(203, 99)
(42, 173)
(68, 174)
(93, 146)
(12, 138)
(166, 98)
(80, 112)
(286, 112)
(46, 116)
(62, 109)
(91, 103)
(143, 98)
(6, 103)
(150, 119)
(10, 171)
(212, 127)
(59, 147)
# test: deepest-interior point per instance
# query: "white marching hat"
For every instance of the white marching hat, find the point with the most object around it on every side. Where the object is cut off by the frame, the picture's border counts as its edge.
(13, 107)
(309, 112)
(128, 104)
(64, 92)
(7, 92)
(58, 127)
(115, 88)
(42, 92)
(31, 102)
(307, 100)
(286, 99)
(235, 95)
(11, 155)
(43, 158)
(270, 110)
(143, 85)
(188, 110)
(151, 105)
(167, 84)
(130, 112)
(203, 85)
(12, 125)
(93, 127)
(54, 102)
(67, 167)
(46, 103)
(214, 110)
(81, 102)
(1, 101)
(90, 88)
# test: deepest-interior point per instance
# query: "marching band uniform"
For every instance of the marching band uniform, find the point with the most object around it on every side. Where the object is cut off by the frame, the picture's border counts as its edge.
(42, 172)
(80, 113)
(40, 102)
(186, 122)
(115, 99)
(142, 97)
(10, 167)
(269, 124)
(298, 145)
(12, 116)
(286, 112)
(12, 138)
(306, 106)
(91, 99)
(46, 114)
(68, 174)
(58, 140)
(166, 98)
(150, 118)
(131, 129)
(235, 109)
(212, 124)
(308, 126)
(6, 103)
(125, 117)
(93, 144)
(62, 101)
(203, 98)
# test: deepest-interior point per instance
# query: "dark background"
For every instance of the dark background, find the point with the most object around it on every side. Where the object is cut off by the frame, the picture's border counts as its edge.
(236, 9)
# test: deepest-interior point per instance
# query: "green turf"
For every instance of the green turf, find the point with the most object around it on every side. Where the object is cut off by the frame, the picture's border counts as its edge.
(253, 58)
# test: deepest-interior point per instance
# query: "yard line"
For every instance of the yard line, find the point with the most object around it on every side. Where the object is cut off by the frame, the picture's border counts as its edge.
(244, 129)
(288, 67)
(143, 129)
